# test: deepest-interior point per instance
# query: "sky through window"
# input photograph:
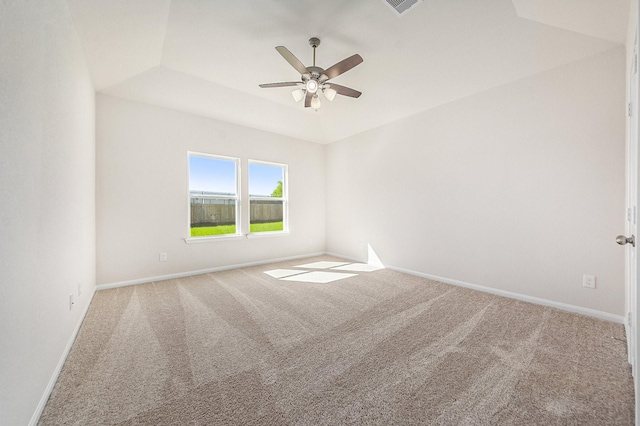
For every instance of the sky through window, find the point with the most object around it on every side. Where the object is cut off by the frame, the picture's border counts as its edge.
(212, 175)
(263, 179)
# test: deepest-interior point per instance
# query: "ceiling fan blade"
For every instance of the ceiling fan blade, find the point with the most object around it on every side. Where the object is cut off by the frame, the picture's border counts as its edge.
(295, 62)
(307, 99)
(341, 67)
(345, 91)
(283, 84)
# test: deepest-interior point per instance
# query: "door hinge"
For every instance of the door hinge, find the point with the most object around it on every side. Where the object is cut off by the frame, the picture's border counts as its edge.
(629, 109)
(635, 63)
(631, 215)
(629, 319)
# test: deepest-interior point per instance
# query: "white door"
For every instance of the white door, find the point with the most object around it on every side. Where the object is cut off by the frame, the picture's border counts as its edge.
(632, 198)
(633, 331)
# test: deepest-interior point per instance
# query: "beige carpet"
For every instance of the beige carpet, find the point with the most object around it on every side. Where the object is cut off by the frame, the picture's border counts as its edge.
(241, 347)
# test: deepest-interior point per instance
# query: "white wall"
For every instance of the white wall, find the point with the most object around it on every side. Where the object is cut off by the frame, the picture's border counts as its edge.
(519, 188)
(47, 219)
(142, 190)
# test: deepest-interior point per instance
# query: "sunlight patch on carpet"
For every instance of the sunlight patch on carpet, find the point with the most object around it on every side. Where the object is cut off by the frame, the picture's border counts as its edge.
(358, 267)
(322, 265)
(281, 273)
(320, 277)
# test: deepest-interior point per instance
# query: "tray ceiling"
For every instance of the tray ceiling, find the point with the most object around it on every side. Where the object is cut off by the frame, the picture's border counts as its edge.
(208, 58)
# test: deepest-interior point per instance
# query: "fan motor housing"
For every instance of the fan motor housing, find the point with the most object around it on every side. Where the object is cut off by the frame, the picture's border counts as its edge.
(316, 72)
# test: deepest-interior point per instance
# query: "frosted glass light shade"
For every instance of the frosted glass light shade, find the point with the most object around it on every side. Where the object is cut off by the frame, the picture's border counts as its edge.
(329, 93)
(298, 95)
(315, 102)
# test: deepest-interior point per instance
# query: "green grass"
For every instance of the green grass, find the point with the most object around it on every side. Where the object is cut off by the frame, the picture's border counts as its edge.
(213, 230)
(266, 227)
(231, 229)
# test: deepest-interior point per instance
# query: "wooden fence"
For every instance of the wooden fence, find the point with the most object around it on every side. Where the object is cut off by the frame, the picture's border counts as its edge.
(224, 214)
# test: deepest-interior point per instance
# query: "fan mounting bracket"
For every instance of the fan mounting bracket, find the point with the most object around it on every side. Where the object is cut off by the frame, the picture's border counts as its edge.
(314, 42)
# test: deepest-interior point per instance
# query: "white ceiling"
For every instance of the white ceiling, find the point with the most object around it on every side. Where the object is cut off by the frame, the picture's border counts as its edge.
(207, 57)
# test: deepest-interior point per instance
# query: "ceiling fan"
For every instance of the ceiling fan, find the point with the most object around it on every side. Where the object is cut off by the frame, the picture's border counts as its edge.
(315, 79)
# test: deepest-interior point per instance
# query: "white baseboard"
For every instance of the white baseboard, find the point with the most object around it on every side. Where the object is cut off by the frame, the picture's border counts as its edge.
(201, 271)
(523, 297)
(352, 259)
(54, 377)
(512, 295)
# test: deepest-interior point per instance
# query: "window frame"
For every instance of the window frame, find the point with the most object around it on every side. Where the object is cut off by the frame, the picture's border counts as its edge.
(237, 198)
(284, 199)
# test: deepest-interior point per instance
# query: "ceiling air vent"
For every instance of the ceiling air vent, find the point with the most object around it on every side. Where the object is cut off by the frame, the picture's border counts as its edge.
(401, 6)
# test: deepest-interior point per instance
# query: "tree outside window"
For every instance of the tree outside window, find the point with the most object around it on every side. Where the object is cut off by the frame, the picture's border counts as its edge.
(267, 197)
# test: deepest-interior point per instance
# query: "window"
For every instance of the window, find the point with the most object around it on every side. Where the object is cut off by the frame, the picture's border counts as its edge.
(267, 197)
(213, 195)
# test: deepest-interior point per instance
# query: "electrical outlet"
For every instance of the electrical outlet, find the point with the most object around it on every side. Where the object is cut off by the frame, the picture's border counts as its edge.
(589, 281)
(71, 301)
(163, 257)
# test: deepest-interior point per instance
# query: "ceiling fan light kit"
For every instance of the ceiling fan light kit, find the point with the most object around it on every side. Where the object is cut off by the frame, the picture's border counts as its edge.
(315, 102)
(298, 95)
(314, 78)
(329, 93)
(312, 85)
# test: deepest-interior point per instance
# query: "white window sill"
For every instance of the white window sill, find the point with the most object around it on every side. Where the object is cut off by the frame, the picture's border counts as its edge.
(268, 234)
(231, 237)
